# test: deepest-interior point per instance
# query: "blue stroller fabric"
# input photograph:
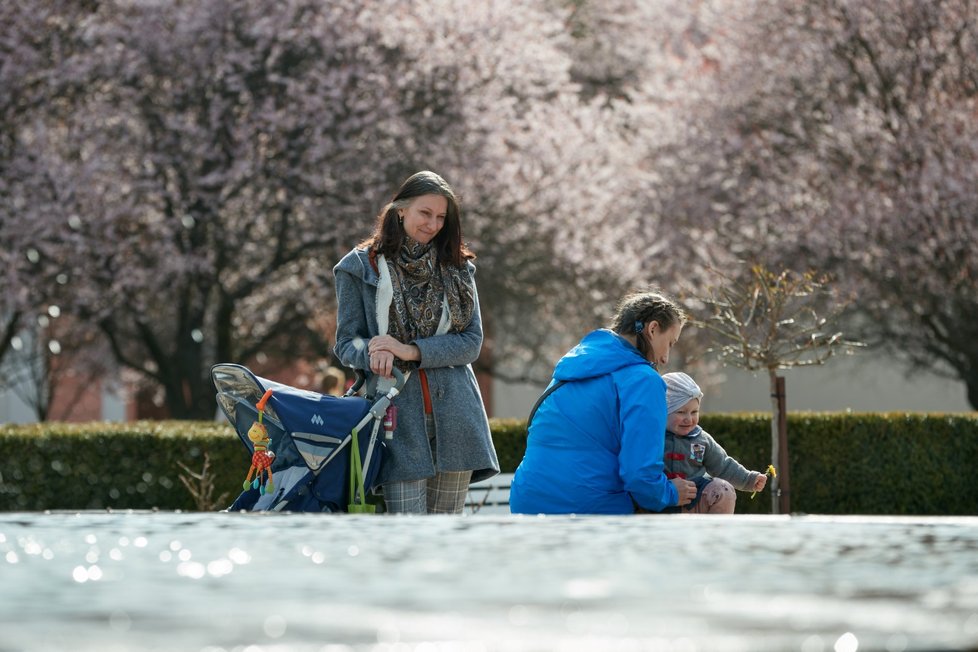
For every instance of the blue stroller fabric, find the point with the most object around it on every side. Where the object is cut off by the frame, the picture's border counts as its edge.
(311, 435)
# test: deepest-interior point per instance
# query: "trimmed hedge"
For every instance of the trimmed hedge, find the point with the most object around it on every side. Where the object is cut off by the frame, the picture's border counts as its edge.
(840, 463)
(116, 465)
(895, 464)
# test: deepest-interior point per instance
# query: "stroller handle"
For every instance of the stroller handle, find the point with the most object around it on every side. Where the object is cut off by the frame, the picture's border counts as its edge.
(399, 378)
(361, 378)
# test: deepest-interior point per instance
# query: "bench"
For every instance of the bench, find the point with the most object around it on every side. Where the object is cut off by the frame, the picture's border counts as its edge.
(489, 496)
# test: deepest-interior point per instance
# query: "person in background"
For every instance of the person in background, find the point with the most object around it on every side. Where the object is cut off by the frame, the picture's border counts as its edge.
(595, 439)
(693, 454)
(407, 298)
(333, 381)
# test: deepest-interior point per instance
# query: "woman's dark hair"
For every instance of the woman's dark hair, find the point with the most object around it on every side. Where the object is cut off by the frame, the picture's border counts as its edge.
(388, 235)
(637, 309)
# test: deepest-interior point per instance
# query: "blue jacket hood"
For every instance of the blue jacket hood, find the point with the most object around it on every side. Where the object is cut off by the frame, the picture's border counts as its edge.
(600, 352)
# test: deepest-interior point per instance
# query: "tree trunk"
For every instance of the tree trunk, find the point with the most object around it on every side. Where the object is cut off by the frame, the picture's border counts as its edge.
(9, 331)
(781, 480)
(189, 392)
(971, 382)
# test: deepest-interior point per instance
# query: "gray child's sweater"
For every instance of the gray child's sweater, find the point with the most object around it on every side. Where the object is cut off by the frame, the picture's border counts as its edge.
(698, 455)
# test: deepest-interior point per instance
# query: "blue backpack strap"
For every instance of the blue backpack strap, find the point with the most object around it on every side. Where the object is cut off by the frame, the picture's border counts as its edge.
(550, 390)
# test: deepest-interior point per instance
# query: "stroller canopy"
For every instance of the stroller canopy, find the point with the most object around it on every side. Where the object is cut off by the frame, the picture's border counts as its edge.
(317, 425)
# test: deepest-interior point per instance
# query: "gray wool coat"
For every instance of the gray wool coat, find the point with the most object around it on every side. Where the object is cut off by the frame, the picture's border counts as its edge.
(462, 432)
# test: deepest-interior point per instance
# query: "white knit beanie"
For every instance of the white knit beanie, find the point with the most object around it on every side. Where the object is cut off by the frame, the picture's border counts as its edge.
(680, 390)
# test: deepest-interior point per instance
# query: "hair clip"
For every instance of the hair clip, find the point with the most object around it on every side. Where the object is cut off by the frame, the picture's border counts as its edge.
(639, 326)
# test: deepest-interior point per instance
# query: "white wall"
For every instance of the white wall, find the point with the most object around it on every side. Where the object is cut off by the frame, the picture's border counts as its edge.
(861, 383)
(514, 400)
(113, 400)
(14, 410)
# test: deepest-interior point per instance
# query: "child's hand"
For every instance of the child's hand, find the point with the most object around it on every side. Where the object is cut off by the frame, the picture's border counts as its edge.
(760, 482)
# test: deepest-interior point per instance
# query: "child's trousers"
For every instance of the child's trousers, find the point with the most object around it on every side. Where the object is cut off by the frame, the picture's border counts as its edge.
(718, 497)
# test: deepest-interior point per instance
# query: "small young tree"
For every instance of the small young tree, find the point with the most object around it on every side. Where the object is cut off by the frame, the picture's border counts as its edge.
(770, 320)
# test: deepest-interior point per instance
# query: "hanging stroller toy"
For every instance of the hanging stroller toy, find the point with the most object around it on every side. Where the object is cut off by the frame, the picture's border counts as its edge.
(311, 442)
(261, 460)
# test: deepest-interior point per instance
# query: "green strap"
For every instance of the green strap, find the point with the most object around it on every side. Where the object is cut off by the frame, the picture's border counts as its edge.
(356, 481)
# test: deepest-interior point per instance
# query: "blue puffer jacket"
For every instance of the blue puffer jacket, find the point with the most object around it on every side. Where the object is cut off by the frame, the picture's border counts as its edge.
(597, 442)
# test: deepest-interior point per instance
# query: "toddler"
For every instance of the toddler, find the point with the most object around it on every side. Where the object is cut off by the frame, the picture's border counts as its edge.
(691, 453)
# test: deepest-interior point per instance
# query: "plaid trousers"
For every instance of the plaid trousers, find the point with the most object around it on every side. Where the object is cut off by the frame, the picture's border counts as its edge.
(442, 494)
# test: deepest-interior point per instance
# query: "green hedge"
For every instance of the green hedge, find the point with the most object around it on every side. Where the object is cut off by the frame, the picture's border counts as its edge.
(117, 465)
(887, 464)
(840, 463)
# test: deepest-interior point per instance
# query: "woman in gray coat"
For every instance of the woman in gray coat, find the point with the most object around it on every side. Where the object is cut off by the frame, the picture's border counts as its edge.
(407, 298)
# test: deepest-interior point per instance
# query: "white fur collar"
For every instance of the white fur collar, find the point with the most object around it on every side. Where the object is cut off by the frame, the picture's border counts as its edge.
(385, 294)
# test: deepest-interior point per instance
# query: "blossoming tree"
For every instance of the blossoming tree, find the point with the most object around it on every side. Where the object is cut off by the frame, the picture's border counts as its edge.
(765, 321)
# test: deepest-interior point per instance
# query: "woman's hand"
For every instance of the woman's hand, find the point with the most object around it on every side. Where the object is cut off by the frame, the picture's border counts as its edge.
(389, 344)
(686, 490)
(381, 363)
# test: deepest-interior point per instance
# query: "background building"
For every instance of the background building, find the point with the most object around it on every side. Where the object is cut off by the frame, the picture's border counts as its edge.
(860, 383)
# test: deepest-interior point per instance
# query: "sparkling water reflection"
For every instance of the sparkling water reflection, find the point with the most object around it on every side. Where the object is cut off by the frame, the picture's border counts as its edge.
(250, 582)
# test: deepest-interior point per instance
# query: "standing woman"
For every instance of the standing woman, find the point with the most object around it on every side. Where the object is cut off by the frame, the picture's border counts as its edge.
(407, 298)
(595, 443)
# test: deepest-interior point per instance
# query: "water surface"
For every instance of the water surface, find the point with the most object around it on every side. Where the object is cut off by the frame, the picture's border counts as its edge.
(336, 583)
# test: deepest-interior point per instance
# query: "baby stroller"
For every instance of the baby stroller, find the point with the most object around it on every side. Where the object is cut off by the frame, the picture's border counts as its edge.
(323, 458)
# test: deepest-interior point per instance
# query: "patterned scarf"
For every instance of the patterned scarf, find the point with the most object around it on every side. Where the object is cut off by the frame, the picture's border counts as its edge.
(419, 286)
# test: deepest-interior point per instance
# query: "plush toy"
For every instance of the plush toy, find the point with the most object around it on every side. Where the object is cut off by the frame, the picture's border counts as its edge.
(261, 460)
